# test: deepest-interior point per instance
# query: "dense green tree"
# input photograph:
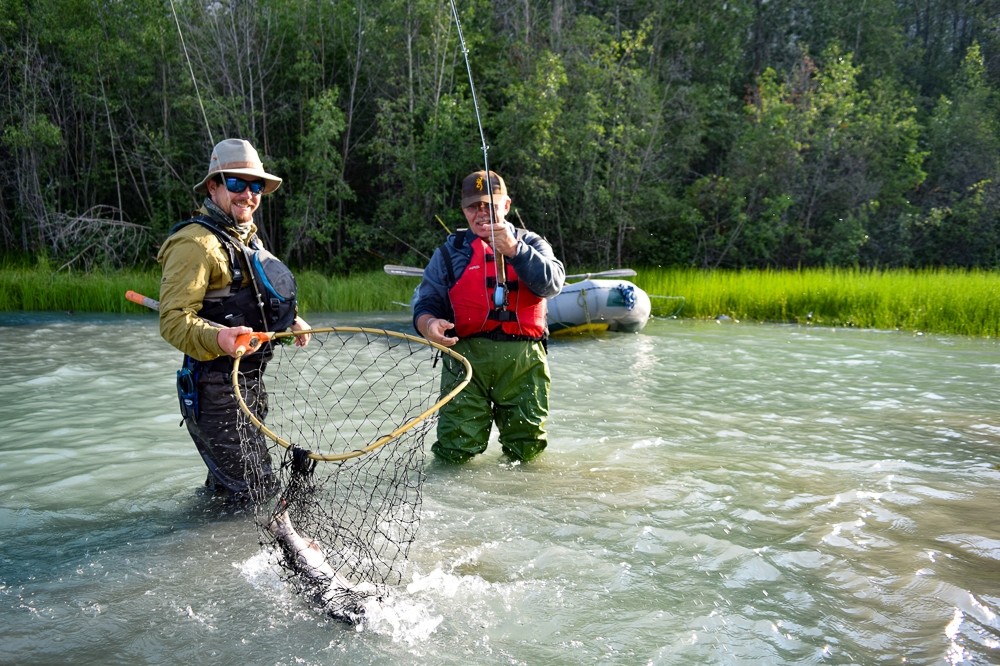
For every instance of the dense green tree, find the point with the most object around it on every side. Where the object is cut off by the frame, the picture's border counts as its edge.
(937, 35)
(76, 124)
(534, 145)
(649, 131)
(312, 223)
(962, 224)
(609, 140)
(818, 163)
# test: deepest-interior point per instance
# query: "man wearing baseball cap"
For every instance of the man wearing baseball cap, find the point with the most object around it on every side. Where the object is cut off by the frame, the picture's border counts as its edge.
(218, 283)
(484, 294)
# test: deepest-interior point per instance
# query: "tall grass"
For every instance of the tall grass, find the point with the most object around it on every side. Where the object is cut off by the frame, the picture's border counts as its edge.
(933, 301)
(40, 289)
(365, 292)
(939, 301)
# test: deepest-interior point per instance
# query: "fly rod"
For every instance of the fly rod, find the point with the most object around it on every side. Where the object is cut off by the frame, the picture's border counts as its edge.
(500, 295)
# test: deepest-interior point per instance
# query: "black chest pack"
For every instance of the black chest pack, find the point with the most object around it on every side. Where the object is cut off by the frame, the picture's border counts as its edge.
(264, 299)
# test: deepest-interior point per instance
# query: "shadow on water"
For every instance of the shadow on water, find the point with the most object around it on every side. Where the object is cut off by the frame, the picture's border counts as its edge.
(71, 536)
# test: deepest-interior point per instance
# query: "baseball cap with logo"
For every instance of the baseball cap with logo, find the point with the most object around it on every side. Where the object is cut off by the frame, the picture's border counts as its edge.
(475, 189)
(236, 157)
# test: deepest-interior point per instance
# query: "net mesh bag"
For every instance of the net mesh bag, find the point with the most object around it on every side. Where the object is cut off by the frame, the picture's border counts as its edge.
(343, 420)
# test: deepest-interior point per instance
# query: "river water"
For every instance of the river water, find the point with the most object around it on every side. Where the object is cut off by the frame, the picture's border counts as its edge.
(713, 493)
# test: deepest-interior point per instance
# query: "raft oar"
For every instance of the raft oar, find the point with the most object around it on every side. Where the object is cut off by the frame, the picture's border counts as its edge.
(613, 273)
(245, 342)
(410, 271)
(142, 300)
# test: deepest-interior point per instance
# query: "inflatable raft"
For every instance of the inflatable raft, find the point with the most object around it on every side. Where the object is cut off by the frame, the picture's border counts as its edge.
(598, 305)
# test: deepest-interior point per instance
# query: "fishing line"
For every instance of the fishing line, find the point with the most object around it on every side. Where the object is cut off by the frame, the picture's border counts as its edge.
(500, 295)
(197, 92)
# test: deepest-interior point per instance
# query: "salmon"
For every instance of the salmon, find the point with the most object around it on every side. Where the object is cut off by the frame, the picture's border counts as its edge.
(339, 597)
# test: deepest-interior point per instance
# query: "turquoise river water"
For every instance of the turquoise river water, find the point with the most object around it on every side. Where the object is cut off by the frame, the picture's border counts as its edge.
(712, 494)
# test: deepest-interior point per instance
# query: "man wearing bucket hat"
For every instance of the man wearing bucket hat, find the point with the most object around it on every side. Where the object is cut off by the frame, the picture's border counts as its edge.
(484, 293)
(219, 282)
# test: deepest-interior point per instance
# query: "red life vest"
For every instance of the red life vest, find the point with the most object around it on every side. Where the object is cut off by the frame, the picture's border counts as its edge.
(472, 301)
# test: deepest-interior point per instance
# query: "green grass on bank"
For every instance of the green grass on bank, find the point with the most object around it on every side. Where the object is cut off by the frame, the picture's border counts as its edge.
(39, 289)
(933, 301)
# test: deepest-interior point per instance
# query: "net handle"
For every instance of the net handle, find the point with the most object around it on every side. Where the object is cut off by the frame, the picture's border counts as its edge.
(252, 341)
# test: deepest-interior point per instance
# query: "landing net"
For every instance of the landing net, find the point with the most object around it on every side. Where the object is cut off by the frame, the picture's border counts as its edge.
(343, 420)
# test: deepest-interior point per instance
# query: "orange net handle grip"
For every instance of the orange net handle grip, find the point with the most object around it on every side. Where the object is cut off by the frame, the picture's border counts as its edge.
(142, 300)
(248, 343)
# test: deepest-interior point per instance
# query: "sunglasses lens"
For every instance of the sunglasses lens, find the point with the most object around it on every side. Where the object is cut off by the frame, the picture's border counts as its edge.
(237, 185)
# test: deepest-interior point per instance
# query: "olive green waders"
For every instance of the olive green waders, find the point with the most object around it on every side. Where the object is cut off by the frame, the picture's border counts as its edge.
(509, 387)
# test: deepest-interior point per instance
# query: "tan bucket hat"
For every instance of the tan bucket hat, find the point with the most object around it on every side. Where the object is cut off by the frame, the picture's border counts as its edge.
(236, 157)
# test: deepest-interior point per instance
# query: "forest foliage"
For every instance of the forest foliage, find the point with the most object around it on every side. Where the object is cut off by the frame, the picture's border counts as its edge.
(693, 133)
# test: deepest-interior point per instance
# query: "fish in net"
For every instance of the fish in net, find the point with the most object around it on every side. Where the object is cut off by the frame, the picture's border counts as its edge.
(333, 436)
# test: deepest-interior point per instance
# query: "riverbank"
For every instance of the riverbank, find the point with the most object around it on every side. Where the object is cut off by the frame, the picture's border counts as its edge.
(944, 301)
(933, 301)
(34, 289)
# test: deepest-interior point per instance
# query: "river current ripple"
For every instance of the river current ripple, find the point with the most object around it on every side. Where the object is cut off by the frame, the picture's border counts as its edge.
(713, 493)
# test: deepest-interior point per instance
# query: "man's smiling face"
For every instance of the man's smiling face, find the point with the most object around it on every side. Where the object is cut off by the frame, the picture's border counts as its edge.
(478, 216)
(239, 205)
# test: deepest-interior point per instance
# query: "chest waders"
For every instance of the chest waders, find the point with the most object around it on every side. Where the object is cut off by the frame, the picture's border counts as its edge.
(261, 296)
(509, 387)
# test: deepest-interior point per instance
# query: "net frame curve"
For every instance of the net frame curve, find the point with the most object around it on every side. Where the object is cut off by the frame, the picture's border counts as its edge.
(380, 441)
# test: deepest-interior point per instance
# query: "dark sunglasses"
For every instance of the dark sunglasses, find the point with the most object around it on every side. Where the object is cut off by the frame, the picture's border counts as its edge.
(480, 205)
(237, 185)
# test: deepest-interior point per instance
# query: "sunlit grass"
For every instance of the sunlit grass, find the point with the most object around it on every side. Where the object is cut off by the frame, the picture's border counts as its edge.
(938, 301)
(364, 292)
(39, 289)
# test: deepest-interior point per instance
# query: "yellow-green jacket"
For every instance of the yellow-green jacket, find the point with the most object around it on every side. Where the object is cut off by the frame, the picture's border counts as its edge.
(195, 265)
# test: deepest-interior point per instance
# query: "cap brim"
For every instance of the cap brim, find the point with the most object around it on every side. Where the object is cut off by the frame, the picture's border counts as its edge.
(477, 198)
